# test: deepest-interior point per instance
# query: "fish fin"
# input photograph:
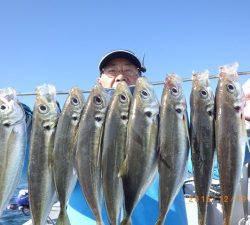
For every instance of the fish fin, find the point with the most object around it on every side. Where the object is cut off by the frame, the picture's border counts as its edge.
(100, 223)
(159, 222)
(123, 169)
(165, 160)
(158, 150)
(248, 146)
(126, 221)
(63, 218)
(185, 121)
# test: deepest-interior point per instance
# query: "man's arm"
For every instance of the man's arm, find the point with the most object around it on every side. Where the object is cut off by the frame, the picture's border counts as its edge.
(247, 111)
(246, 89)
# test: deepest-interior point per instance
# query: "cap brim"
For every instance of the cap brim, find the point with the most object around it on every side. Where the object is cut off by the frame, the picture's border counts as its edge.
(120, 54)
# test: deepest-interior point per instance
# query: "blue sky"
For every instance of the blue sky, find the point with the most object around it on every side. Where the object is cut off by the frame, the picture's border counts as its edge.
(61, 42)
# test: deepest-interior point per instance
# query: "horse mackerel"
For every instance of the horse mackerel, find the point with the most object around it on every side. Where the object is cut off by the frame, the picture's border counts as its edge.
(140, 165)
(114, 143)
(230, 136)
(173, 144)
(13, 141)
(89, 150)
(64, 151)
(42, 193)
(202, 139)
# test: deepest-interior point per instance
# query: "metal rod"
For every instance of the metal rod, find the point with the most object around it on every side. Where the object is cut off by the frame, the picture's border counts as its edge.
(153, 83)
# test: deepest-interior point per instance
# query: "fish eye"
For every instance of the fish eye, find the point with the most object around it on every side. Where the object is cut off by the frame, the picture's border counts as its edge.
(97, 100)
(43, 108)
(230, 88)
(3, 107)
(123, 98)
(174, 90)
(74, 101)
(203, 93)
(144, 94)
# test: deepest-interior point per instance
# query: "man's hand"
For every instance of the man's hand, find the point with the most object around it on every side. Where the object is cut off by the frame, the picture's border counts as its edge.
(246, 89)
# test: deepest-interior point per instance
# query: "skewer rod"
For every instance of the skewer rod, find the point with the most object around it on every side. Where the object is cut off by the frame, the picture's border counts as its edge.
(245, 73)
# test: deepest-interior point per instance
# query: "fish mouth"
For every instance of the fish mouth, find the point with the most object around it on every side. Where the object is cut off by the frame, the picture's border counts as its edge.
(6, 124)
(124, 116)
(237, 108)
(210, 112)
(151, 111)
(148, 114)
(99, 117)
(49, 125)
(178, 110)
(75, 116)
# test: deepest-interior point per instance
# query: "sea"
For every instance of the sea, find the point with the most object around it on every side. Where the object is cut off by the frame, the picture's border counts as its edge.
(16, 217)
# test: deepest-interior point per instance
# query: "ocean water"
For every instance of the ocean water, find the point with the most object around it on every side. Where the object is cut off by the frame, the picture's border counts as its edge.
(15, 217)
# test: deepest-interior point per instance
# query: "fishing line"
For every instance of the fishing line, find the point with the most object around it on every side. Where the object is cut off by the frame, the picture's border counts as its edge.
(156, 83)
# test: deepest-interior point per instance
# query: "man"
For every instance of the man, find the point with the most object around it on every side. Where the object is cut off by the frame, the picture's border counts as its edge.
(117, 66)
(246, 89)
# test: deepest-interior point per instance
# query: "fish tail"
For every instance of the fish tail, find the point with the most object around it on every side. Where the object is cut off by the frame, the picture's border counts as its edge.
(227, 213)
(126, 221)
(99, 222)
(63, 218)
(226, 221)
(113, 222)
(202, 220)
(202, 213)
(160, 221)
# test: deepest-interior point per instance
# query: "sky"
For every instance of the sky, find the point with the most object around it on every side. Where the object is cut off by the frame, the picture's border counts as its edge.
(62, 42)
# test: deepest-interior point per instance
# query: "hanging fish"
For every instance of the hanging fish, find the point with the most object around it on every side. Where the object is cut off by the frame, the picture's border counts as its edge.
(42, 194)
(64, 151)
(202, 139)
(140, 165)
(89, 150)
(13, 140)
(114, 147)
(173, 144)
(230, 136)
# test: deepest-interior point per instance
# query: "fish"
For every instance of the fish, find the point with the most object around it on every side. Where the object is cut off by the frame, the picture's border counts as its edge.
(41, 186)
(202, 139)
(89, 150)
(230, 136)
(140, 165)
(173, 144)
(114, 146)
(13, 141)
(64, 150)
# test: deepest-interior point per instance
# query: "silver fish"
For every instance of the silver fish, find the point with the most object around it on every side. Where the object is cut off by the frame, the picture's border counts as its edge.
(64, 151)
(89, 150)
(230, 137)
(114, 143)
(202, 139)
(13, 140)
(41, 185)
(140, 165)
(173, 144)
